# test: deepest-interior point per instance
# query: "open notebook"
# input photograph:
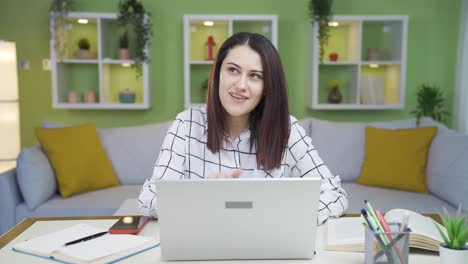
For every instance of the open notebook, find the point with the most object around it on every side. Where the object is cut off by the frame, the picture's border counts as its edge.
(104, 249)
(348, 233)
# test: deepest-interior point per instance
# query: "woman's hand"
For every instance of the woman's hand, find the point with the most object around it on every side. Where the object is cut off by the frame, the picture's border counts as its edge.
(220, 175)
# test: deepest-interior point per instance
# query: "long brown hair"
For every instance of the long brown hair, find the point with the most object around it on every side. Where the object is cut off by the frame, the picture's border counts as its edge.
(269, 121)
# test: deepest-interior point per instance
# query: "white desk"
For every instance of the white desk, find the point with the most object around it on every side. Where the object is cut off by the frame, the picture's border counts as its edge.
(7, 255)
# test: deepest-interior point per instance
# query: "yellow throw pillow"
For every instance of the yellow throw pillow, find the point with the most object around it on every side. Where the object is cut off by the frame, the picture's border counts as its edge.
(78, 158)
(397, 158)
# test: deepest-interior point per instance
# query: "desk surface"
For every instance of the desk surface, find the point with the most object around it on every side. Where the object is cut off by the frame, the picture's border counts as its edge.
(33, 227)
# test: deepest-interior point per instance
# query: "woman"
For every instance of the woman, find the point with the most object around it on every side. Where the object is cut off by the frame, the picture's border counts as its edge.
(244, 131)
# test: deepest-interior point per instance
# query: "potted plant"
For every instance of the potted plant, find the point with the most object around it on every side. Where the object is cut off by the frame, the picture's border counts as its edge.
(83, 51)
(124, 53)
(320, 12)
(58, 11)
(430, 102)
(132, 13)
(454, 249)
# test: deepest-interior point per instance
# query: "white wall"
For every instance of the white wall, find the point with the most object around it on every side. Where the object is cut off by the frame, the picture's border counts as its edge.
(460, 110)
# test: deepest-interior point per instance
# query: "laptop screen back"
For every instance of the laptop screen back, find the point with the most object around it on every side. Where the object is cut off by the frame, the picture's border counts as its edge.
(238, 218)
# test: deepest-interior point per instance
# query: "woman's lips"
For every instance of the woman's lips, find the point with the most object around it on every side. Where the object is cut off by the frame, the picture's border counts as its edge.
(238, 98)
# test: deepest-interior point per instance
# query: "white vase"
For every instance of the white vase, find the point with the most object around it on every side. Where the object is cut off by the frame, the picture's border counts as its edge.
(452, 256)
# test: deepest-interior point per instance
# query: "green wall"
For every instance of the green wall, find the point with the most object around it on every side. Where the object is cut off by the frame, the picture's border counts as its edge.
(431, 56)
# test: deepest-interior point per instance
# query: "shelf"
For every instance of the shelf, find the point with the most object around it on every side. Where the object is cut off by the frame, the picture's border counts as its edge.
(339, 63)
(77, 76)
(367, 56)
(343, 41)
(355, 107)
(122, 62)
(196, 67)
(116, 79)
(78, 61)
(205, 62)
(347, 77)
(100, 106)
(380, 62)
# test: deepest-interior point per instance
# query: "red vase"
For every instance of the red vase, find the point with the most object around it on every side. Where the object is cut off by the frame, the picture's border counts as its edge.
(210, 48)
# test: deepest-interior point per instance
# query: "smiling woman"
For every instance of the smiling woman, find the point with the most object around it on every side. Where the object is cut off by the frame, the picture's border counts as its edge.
(249, 66)
(245, 131)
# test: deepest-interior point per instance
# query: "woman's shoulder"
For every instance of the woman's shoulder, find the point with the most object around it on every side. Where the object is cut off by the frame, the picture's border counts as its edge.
(193, 115)
(296, 131)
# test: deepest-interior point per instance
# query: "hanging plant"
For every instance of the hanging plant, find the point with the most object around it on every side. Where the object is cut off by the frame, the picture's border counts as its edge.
(58, 11)
(320, 12)
(430, 102)
(132, 14)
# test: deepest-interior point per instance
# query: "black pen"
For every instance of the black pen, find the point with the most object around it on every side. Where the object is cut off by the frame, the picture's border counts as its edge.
(85, 238)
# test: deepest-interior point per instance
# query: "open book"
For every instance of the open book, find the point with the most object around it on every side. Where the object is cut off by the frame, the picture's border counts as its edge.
(348, 233)
(103, 249)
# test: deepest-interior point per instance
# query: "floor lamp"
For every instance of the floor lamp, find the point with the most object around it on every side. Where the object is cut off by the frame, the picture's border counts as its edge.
(9, 106)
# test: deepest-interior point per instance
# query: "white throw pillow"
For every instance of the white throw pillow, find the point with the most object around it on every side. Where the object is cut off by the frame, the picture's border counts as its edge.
(133, 151)
(447, 167)
(36, 177)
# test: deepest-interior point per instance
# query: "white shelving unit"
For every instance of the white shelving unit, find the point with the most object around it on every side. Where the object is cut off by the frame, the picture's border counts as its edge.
(366, 81)
(196, 67)
(106, 75)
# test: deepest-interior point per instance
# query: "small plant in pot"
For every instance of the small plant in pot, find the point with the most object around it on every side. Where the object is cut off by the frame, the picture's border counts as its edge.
(124, 52)
(454, 249)
(430, 102)
(83, 51)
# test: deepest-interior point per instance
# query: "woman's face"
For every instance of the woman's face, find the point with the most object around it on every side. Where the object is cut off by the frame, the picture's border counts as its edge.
(241, 81)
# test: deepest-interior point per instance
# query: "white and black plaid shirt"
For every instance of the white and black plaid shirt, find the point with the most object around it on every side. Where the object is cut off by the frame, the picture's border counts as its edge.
(184, 154)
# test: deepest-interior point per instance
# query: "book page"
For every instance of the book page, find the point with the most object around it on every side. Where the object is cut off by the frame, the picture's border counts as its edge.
(345, 230)
(45, 245)
(419, 224)
(104, 246)
(345, 234)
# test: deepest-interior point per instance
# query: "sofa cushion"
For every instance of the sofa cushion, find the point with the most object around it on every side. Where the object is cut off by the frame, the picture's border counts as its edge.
(341, 144)
(396, 158)
(99, 202)
(133, 150)
(447, 169)
(36, 177)
(77, 156)
(386, 199)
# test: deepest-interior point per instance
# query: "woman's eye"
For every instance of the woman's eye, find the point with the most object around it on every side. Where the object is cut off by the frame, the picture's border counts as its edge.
(232, 69)
(256, 76)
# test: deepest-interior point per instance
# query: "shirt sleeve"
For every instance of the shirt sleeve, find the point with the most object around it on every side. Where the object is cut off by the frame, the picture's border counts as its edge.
(333, 198)
(169, 166)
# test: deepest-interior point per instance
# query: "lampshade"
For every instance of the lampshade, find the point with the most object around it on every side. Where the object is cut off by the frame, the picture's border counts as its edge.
(8, 72)
(9, 107)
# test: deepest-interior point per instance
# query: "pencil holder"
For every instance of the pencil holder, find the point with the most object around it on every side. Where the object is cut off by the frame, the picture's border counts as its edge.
(387, 247)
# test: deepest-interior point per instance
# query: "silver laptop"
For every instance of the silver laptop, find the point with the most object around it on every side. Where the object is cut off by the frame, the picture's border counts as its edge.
(238, 218)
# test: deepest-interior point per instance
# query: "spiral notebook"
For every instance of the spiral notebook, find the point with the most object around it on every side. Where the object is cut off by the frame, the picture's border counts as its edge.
(104, 249)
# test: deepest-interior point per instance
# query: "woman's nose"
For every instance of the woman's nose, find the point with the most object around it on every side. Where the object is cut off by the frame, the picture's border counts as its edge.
(242, 83)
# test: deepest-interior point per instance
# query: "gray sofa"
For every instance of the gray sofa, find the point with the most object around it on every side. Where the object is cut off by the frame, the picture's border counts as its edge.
(133, 151)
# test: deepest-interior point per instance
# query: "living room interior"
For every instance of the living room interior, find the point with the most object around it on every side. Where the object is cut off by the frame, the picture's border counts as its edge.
(408, 45)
